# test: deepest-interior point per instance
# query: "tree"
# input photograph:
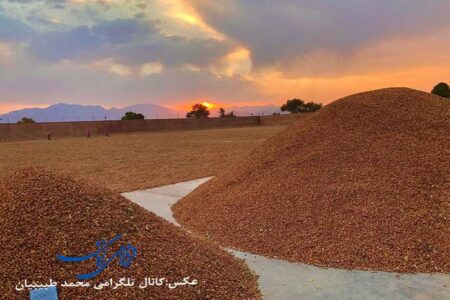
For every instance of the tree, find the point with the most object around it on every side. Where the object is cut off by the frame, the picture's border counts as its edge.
(129, 115)
(311, 107)
(299, 106)
(198, 111)
(293, 106)
(442, 89)
(223, 114)
(26, 120)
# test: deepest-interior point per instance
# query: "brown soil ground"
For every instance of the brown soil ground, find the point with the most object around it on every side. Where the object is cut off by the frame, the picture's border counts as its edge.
(130, 162)
(362, 184)
(44, 214)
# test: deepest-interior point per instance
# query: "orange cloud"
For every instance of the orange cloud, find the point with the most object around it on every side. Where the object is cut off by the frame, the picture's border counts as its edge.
(237, 62)
(183, 12)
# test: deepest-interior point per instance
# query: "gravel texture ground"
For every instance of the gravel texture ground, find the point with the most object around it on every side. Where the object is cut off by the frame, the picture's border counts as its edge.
(362, 184)
(43, 214)
(128, 162)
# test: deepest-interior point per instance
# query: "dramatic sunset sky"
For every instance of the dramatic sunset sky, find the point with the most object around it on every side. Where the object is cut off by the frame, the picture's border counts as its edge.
(174, 52)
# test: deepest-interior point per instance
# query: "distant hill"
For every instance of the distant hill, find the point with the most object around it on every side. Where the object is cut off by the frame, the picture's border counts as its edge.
(73, 112)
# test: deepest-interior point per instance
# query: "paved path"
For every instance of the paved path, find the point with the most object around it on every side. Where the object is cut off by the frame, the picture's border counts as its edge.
(279, 279)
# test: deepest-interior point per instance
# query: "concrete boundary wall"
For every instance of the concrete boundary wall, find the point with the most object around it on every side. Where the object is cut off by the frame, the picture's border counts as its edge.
(74, 129)
(284, 120)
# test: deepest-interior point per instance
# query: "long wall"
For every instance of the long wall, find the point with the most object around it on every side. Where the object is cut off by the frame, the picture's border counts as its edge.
(282, 119)
(73, 129)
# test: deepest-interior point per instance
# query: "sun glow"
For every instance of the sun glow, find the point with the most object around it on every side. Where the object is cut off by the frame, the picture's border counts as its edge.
(208, 105)
(193, 20)
(185, 13)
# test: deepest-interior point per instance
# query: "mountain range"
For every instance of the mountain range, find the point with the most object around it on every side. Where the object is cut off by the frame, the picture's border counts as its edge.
(73, 112)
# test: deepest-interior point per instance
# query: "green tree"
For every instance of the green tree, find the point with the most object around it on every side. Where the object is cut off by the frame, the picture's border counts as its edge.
(295, 106)
(442, 89)
(129, 115)
(26, 120)
(292, 106)
(311, 107)
(198, 111)
(223, 114)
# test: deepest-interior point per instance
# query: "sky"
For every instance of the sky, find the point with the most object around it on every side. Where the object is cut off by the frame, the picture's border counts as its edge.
(117, 53)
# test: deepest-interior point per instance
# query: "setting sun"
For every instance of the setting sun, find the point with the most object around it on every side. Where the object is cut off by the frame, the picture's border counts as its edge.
(208, 105)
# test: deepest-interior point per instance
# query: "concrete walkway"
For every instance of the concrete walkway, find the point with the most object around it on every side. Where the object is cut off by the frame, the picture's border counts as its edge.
(279, 279)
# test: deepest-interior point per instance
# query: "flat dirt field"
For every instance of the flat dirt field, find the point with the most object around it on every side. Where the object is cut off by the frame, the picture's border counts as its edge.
(135, 161)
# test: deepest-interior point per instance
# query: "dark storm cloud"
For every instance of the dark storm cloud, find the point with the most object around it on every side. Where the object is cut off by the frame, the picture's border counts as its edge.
(85, 42)
(124, 30)
(57, 4)
(38, 1)
(77, 43)
(175, 51)
(129, 42)
(281, 30)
